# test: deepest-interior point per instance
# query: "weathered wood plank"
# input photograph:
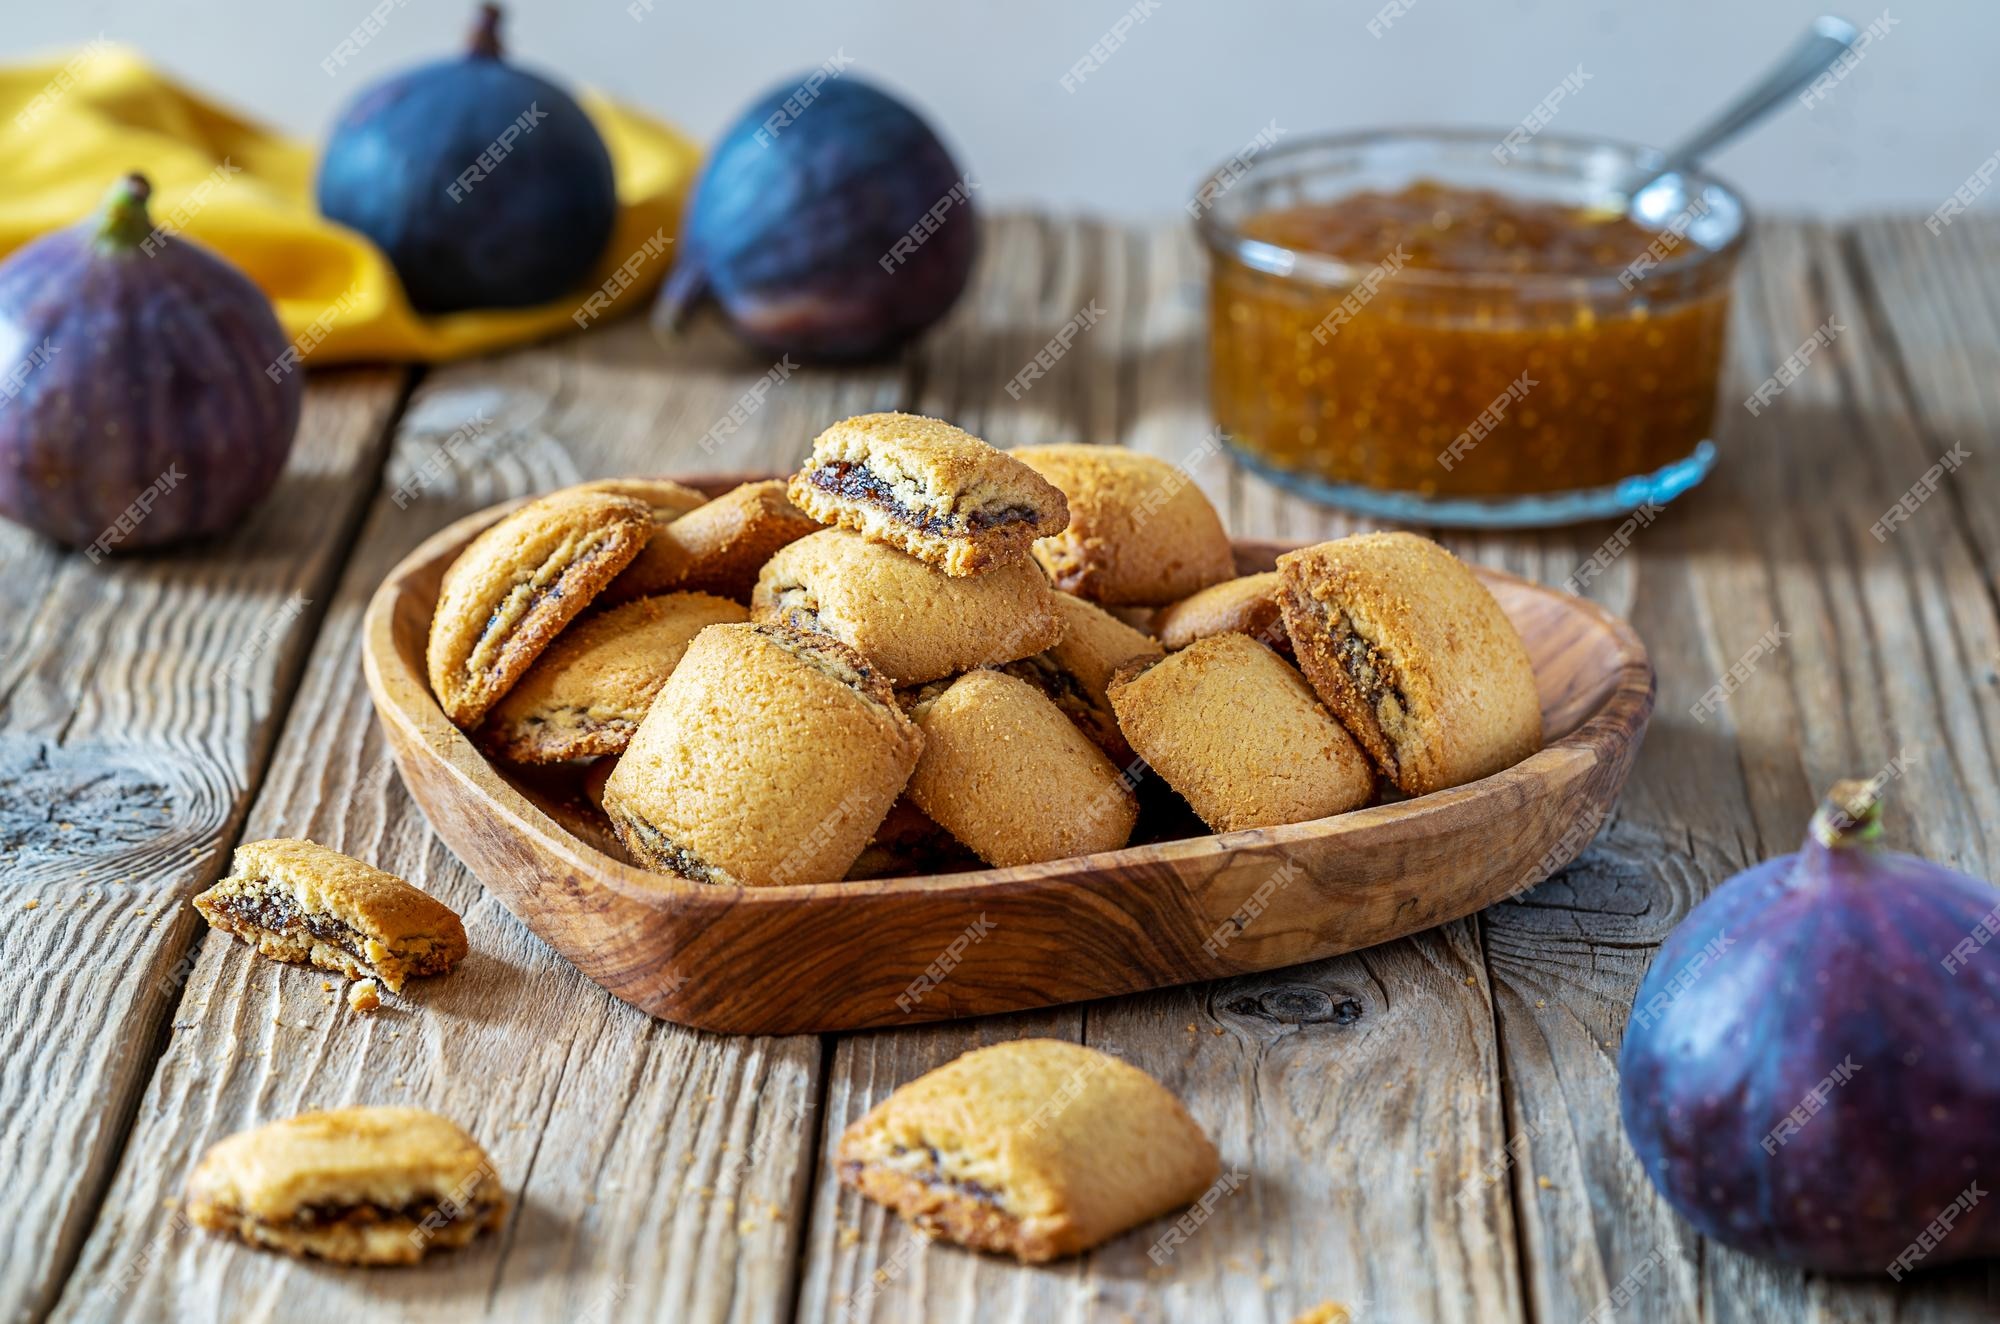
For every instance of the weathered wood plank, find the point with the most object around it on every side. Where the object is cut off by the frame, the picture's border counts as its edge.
(136, 711)
(1780, 537)
(1352, 1146)
(658, 1172)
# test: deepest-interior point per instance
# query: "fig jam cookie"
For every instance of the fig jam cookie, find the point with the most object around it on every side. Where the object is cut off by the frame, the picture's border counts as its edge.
(298, 901)
(353, 1186)
(1248, 605)
(933, 490)
(1240, 735)
(1075, 673)
(911, 621)
(587, 694)
(1140, 532)
(718, 547)
(768, 758)
(514, 588)
(1414, 656)
(1008, 774)
(1036, 1149)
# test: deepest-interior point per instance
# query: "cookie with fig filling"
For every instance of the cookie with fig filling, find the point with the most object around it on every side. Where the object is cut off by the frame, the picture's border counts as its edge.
(769, 757)
(717, 547)
(1140, 532)
(1247, 605)
(913, 622)
(1075, 673)
(933, 490)
(588, 692)
(302, 902)
(365, 1186)
(514, 588)
(1008, 774)
(1414, 656)
(1240, 735)
(1037, 1148)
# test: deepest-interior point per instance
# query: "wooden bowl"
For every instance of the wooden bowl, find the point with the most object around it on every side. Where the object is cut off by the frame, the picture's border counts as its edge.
(836, 956)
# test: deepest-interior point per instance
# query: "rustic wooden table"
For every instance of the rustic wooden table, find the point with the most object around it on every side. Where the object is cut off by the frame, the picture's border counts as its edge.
(155, 711)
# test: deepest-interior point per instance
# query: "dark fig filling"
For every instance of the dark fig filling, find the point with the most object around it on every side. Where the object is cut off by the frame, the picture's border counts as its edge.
(670, 855)
(276, 912)
(501, 617)
(934, 1178)
(315, 1216)
(1370, 672)
(857, 482)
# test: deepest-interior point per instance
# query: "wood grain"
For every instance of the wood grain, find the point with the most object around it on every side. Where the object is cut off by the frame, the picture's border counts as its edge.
(138, 701)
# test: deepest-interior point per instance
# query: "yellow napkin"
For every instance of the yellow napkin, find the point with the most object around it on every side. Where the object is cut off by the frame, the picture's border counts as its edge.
(70, 127)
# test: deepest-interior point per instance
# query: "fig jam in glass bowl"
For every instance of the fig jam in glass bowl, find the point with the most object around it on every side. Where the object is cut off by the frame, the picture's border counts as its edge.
(1402, 325)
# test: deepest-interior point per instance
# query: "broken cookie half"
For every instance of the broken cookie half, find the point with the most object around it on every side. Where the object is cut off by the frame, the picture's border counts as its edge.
(930, 489)
(299, 901)
(352, 1186)
(1036, 1149)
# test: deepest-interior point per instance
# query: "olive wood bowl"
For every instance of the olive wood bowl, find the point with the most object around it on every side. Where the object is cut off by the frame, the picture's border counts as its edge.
(894, 951)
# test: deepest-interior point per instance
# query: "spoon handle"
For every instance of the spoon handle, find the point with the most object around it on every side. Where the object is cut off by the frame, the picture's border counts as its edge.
(1824, 42)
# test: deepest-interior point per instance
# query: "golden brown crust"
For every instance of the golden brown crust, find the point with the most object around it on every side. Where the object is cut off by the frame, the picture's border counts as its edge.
(1414, 656)
(768, 758)
(589, 690)
(910, 620)
(514, 588)
(352, 1186)
(1005, 772)
(933, 490)
(1035, 1148)
(302, 902)
(667, 499)
(717, 547)
(1246, 605)
(1140, 532)
(1239, 735)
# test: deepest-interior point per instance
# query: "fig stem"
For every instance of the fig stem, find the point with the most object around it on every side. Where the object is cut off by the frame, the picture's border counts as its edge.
(124, 222)
(486, 33)
(1850, 815)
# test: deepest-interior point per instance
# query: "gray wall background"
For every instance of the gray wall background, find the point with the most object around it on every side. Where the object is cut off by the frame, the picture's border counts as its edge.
(1192, 82)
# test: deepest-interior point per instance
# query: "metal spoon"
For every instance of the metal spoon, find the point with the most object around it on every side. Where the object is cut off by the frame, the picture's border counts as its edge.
(1828, 39)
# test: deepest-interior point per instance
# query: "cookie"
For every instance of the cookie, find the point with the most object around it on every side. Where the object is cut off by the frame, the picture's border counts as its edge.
(1240, 735)
(1414, 656)
(1075, 672)
(1248, 605)
(669, 500)
(1140, 532)
(1008, 774)
(587, 693)
(912, 622)
(514, 588)
(1037, 1148)
(768, 758)
(933, 490)
(718, 547)
(353, 1186)
(299, 901)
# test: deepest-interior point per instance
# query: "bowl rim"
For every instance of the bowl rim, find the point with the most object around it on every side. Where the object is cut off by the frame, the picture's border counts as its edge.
(1626, 705)
(1220, 237)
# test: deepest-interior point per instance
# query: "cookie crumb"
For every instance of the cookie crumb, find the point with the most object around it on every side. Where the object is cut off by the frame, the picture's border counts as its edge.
(1326, 1312)
(1471, 980)
(31, 904)
(1545, 1183)
(326, 986)
(363, 995)
(848, 1236)
(1541, 1002)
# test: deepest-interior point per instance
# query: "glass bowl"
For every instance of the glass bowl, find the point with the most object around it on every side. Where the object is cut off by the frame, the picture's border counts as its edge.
(1480, 399)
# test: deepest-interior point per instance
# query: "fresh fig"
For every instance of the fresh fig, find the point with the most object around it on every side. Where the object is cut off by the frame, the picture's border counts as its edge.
(830, 223)
(144, 391)
(1812, 1068)
(486, 186)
